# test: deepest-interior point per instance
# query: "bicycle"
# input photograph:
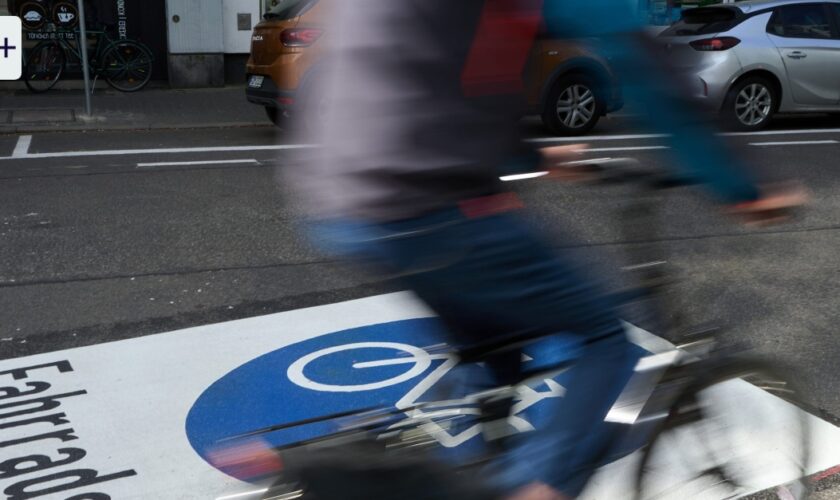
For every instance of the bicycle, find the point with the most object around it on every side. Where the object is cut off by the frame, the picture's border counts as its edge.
(124, 63)
(697, 420)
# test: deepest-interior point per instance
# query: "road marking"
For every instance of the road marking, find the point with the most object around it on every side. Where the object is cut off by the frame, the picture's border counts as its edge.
(635, 148)
(589, 138)
(22, 146)
(169, 371)
(190, 163)
(122, 152)
(785, 132)
(185, 363)
(792, 143)
(659, 136)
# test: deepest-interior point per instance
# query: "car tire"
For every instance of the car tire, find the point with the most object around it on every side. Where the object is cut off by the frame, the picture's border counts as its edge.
(275, 116)
(574, 105)
(750, 104)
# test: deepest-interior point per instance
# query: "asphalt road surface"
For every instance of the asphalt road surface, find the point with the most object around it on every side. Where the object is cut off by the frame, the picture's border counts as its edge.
(113, 235)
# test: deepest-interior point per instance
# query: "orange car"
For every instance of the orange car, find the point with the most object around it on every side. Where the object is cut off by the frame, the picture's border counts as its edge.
(568, 84)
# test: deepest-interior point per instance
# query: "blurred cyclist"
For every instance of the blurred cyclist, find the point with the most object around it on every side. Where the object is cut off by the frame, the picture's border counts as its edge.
(424, 100)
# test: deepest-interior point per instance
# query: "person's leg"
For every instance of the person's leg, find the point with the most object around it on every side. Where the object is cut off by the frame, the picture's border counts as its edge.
(493, 277)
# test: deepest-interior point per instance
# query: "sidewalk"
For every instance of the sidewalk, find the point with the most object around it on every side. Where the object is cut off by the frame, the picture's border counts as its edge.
(163, 108)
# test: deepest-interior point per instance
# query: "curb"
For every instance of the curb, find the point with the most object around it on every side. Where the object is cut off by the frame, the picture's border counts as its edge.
(104, 127)
(824, 476)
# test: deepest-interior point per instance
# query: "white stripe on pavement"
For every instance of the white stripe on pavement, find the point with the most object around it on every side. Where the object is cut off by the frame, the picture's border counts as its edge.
(785, 132)
(24, 142)
(659, 136)
(587, 138)
(121, 152)
(635, 148)
(792, 143)
(190, 163)
(22, 146)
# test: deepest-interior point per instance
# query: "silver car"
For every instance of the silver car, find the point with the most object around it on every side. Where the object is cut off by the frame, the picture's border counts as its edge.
(755, 58)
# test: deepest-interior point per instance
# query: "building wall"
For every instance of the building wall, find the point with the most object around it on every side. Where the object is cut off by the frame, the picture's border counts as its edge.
(209, 40)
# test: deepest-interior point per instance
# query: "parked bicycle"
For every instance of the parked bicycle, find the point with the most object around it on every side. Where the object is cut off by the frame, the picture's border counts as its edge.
(697, 420)
(124, 63)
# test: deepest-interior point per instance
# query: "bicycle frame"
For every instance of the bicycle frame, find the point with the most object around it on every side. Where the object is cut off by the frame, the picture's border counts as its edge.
(102, 41)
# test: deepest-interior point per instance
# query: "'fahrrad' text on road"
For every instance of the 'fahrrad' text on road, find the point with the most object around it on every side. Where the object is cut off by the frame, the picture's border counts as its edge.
(28, 408)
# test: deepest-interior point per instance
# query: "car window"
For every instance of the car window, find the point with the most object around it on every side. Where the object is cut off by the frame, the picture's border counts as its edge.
(801, 21)
(287, 9)
(703, 21)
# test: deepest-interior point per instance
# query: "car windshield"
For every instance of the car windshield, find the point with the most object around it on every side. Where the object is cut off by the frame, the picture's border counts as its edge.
(703, 21)
(287, 9)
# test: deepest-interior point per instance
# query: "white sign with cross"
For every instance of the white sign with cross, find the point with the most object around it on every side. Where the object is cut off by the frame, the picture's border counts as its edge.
(11, 47)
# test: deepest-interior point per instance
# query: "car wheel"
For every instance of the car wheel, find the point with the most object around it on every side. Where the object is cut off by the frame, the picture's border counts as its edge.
(574, 105)
(750, 104)
(275, 116)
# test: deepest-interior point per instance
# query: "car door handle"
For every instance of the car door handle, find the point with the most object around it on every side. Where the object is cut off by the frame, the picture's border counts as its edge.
(797, 55)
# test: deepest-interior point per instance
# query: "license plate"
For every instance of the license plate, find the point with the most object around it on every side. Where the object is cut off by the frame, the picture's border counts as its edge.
(256, 82)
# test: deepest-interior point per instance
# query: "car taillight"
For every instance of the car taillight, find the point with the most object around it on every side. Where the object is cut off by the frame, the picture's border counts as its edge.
(715, 44)
(300, 37)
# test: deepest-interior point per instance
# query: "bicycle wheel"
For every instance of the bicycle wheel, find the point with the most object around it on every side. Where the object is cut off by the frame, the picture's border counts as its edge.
(44, 66)
(127, 66)
(733, 433)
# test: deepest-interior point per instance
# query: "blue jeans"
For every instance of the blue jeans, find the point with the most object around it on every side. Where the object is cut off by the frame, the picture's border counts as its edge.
(493, 276)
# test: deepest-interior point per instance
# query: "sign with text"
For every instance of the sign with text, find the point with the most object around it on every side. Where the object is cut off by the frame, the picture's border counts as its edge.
(11, 41)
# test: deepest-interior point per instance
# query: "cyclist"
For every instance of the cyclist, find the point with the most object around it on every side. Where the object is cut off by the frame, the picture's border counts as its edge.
(423, 105)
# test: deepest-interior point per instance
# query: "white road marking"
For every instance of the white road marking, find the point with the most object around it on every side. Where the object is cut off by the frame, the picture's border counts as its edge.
(635, 148)
(588, 138)
(122, 152)
(659, 136)
(22, 146)
(785, 132)
(792, 143)
(167, 372)
(189, 163)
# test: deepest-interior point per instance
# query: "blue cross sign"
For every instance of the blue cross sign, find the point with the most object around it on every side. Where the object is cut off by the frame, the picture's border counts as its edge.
(11, 42)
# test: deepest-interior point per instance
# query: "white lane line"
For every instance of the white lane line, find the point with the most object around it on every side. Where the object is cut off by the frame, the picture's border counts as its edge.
(659, 136)
(190, 163)
(22, 146)
(785, 132)
(121, 152)
(587, 138)
(792, 143)
(636, 148)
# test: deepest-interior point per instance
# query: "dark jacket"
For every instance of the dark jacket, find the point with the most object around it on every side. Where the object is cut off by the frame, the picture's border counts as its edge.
(419, 116)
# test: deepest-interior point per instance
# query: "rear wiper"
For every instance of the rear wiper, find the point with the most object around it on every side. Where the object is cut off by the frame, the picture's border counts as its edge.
(270, 15)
